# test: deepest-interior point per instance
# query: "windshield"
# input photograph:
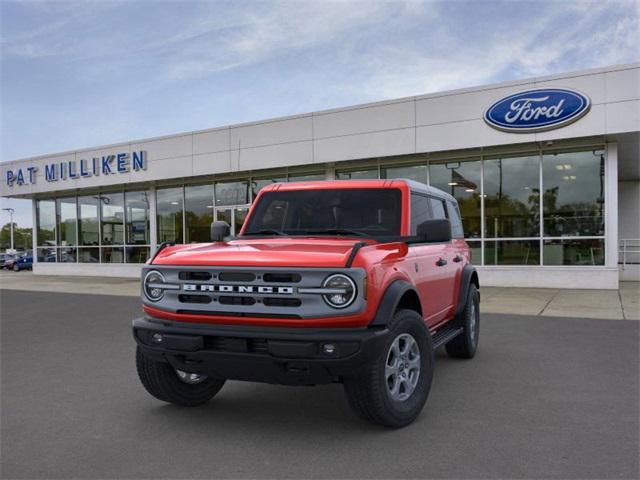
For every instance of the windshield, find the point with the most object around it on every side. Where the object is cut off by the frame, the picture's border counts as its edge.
(357, 212)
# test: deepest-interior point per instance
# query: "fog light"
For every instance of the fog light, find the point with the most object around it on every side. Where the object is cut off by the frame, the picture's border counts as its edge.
(157, 338)
(329, 348)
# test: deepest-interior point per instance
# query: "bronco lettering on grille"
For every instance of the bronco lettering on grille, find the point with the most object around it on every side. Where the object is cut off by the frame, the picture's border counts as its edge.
(192, 287)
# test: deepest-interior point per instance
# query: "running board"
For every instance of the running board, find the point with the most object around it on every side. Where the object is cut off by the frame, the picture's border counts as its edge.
(445, 335)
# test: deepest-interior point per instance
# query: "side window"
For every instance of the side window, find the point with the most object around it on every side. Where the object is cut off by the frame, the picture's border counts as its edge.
(438, 208)
(419, 211)
(456, 222)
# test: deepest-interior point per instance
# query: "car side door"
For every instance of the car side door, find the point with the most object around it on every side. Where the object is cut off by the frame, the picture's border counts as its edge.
(431, 275)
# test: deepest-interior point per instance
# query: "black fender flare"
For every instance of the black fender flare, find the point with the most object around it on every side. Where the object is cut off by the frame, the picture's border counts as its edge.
(390, 300)
(469, 275)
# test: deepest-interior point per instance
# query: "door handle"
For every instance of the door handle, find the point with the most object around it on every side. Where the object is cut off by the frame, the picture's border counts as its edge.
(441, 262)
(457, 259)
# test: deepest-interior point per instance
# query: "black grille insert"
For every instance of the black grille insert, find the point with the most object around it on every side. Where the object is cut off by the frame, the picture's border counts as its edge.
(282, 277)
(198, 276)
(281, 302)
(228, 300)
(237, 277)
(194, 298)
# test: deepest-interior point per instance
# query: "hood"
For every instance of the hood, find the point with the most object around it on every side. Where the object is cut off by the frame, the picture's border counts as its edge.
(273, 252)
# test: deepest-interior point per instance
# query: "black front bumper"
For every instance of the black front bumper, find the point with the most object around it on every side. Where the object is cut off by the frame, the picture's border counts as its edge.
(262, 354)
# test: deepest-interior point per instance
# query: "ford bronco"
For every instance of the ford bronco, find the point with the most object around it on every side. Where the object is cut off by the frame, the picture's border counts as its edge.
(355, 282)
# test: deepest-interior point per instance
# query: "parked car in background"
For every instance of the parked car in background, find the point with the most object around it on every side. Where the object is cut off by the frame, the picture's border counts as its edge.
(7, 259)
(23, 262)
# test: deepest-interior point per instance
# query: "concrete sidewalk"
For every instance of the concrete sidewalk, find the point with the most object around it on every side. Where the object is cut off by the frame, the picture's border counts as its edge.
(623, 304)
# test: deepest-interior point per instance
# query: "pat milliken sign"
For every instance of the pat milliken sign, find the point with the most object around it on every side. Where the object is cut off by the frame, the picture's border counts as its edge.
(105, 165)
(537, 110)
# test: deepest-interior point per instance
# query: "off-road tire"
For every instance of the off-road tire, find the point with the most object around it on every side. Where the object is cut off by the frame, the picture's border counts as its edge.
(161, 380)
(367, 392)
(466, 344)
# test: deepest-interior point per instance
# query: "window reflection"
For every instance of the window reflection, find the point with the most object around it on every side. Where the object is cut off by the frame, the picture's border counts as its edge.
(574, 252)
(412, 172)
(67, 212)
(573, 198)
(169, 206)
(198, 212)
(368, 174)
(137, 218)
(232, 193)
(88, 220)
(112, 218)
(512, 252)
(462, 181)
(307, 177)
(46, 219)
(512, 197)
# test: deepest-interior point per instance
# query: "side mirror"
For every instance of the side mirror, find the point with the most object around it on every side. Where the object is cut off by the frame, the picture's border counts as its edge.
(219, 231)
(435, 231)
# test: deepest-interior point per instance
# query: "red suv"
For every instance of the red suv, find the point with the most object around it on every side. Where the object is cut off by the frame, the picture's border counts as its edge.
(355, 282)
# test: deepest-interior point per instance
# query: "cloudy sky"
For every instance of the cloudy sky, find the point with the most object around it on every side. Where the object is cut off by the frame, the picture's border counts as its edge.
(80, 74)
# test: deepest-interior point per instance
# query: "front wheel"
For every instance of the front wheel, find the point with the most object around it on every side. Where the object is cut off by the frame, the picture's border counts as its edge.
(175, 386)
(393, 389)
(16, 268)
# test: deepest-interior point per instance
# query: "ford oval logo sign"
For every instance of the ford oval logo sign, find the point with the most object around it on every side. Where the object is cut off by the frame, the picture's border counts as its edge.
(537, 110)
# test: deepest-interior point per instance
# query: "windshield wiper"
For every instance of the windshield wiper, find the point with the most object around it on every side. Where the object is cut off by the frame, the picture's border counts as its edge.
(266, 231)
(336, 231)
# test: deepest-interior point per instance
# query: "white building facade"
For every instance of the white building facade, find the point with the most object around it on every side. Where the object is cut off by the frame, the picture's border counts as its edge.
(546, 172)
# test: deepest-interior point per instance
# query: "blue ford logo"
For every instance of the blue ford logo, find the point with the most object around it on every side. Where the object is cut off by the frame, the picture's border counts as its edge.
(537, 110)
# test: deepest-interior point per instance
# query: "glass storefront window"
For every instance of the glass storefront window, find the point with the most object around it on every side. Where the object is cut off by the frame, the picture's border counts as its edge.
(169, 208)
(368, 174)
(137, 218)
(573, 198)
(89, 255)
(198, 212)
(88, 220)
(137, 254)
(67, 255)
(307, 177)
(475, 246)
(67, 221)
(462, 181)
(47, 254)
(512, 197)
(512, 252)
(112, 217)
(232, 193)
(412, 172)
(46, 218)
(112, 254)
(258, 184)
(573, 252)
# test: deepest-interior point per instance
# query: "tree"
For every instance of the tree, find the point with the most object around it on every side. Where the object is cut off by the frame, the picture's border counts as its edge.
(21, 237)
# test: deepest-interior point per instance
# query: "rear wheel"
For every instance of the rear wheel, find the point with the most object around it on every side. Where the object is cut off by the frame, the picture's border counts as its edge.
(393, 390)
(175, 386)
(466, 344)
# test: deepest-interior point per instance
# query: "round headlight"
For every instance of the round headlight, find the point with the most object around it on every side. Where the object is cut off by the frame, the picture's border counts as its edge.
(151, 287)
(344, 291)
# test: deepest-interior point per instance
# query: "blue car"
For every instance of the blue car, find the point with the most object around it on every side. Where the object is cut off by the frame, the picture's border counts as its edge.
(23, 262)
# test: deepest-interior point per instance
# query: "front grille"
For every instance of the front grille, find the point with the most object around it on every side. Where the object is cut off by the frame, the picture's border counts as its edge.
(251, 292)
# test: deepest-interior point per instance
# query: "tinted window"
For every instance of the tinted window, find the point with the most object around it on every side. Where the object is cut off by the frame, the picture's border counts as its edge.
(437, 208)
(374, 212)
(419, 211)
(456, 222)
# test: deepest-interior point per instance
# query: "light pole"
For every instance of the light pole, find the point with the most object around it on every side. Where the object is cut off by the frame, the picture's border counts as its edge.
(11, 212)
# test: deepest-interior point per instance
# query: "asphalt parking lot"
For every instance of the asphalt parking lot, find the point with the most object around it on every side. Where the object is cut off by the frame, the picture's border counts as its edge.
(544, 398)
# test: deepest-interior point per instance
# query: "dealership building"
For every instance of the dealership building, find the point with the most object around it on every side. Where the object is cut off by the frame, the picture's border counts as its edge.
(546, 172)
